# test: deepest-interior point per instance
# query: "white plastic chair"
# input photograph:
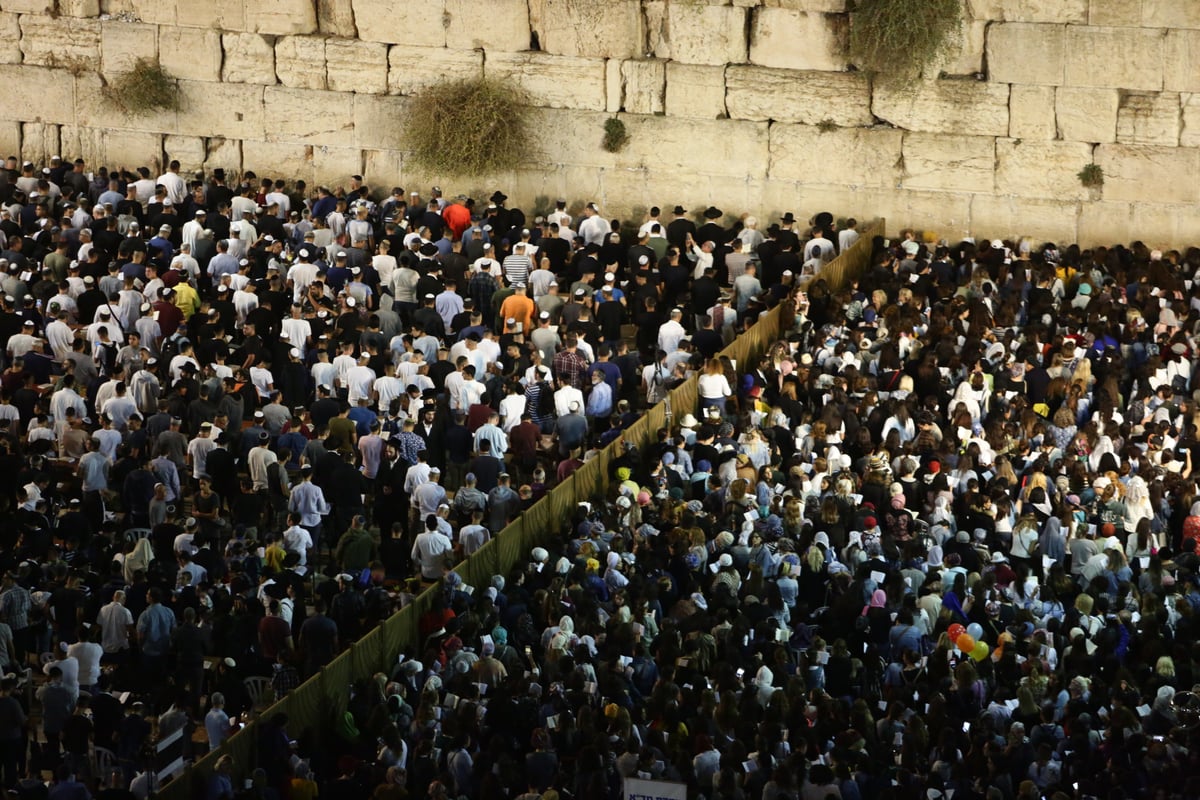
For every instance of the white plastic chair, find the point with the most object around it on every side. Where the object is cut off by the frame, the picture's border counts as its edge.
(256, 687)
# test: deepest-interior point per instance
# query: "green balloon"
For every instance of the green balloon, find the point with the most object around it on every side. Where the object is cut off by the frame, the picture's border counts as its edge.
(980, 652)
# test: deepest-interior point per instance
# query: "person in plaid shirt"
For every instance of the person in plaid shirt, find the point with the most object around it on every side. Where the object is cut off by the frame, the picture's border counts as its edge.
(569, 365)
(286, 677)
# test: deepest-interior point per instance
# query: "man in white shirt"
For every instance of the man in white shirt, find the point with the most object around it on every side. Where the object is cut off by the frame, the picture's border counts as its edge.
(565, 397)
(593, 227)
(297, 540)
(701, 254)
(430, 551)
(176, 187)
(671, 332)
(847, 236)
(192, 229)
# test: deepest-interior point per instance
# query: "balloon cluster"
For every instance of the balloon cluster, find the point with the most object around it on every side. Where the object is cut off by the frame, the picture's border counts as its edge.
(969, 640)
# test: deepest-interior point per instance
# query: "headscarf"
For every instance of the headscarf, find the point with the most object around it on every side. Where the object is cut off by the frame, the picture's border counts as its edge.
(878, 600)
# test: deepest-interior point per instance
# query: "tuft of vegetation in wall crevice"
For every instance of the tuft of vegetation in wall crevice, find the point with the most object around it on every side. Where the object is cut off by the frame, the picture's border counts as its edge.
(477, 126)
(902, 40)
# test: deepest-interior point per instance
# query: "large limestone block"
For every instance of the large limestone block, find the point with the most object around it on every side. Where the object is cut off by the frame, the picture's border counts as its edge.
(1041, 169)
(249, 58)
(553, 81)
(820, 6)
(995, 217)
(281, 17)
(967, 58)
(328, 116)
(300, 62)
(1189, 135)
(969, 107)
(1115, 58)
(10, 41)
(336, 18)
(227, 15)
(412, 69)
(134, 149)
(1121, 13)
(10, 137)
(1170, 13)
(189, 151)
(336, 164)
(763, 93)
(419, 22)
(190, 53)
(383, 167)
(79, 8)
(1026, 53)
(123, 43)
(1151, 174)
(614, 85)
(659, 143)
(703, 34)
(1105, 223)
(39, 141)
(223, 153)
(1181, 61)
(68, 43)
(716, 147)
(946, 215)
(44, 7)
(695, 90)
(949, 163)
(234, 110)
(1031, 112)
(781, 37)
(496, 25)
(586, 28)
(278, 158)
(354, 66)
(865, 157)
(80, 142)
(1075, 11)
(377, 122)
(40, 95)
(1086, 115)
(1149, 118)
(644, 82)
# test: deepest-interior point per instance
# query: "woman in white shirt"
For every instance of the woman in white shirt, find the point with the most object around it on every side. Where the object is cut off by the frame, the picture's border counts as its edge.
(713, 386)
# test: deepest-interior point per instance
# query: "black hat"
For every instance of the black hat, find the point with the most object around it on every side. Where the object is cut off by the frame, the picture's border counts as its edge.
(679, 210)
(712, 212)
(788, 218)
(498, 196)
(428, 249)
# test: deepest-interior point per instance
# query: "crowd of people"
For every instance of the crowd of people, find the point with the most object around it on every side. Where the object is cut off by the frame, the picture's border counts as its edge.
(939, 540)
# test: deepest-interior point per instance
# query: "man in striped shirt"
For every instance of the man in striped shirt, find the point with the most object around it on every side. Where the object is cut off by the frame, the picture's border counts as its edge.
(517, 266)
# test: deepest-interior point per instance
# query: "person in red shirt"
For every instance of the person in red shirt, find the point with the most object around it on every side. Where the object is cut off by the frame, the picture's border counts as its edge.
(274, 633)
(523, 442)
(457, 216)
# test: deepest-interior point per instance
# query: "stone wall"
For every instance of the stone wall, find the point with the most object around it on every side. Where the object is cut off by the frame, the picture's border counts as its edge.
(751, 104)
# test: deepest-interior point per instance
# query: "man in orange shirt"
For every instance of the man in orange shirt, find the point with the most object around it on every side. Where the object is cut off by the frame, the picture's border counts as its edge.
(457, 216)
(517, 309)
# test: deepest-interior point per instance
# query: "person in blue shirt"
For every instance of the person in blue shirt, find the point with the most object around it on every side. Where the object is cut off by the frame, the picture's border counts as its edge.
(362, 416)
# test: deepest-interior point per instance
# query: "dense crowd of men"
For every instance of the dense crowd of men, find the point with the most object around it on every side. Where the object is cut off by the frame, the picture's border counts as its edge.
(939, 540)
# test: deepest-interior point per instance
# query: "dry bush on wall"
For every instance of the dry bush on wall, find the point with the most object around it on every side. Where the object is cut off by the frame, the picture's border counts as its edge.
(899, 40)
(468, 127)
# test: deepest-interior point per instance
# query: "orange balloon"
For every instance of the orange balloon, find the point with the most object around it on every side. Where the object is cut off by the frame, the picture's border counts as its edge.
(965, 643)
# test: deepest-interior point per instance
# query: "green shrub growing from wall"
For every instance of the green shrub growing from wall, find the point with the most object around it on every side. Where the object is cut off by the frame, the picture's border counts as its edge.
(899, 40)
(468, 127)
(144, 89)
